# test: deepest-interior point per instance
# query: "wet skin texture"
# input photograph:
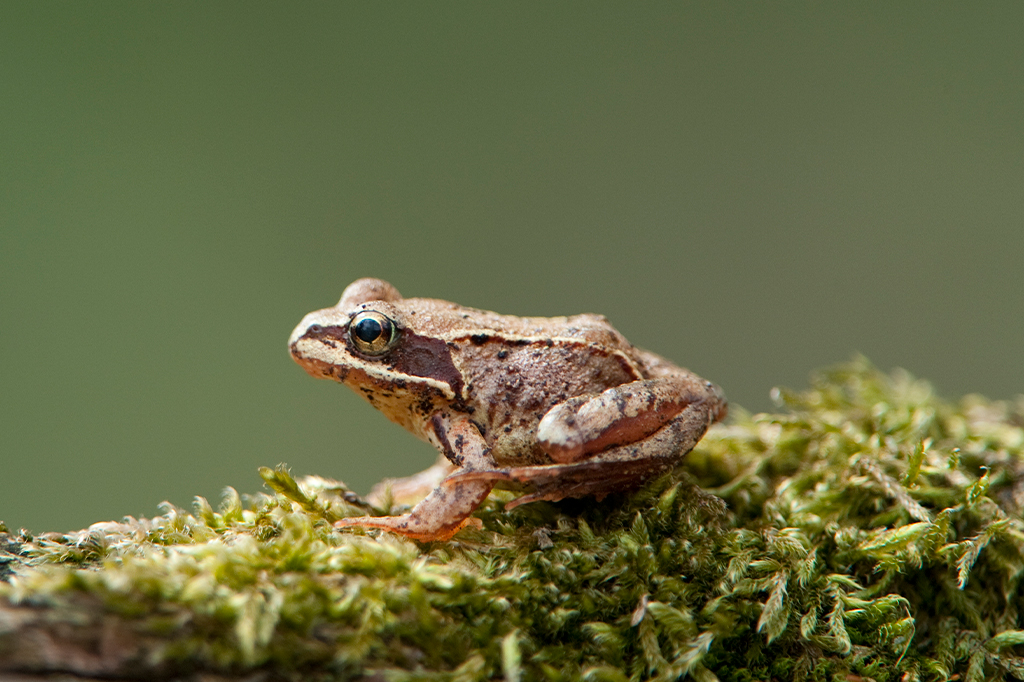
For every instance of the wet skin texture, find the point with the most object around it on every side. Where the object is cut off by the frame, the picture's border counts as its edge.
(559, 407)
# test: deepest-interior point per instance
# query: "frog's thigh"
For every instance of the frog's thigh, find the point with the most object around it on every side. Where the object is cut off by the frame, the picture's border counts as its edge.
(615, 469)
(585, 425)
(447, 508)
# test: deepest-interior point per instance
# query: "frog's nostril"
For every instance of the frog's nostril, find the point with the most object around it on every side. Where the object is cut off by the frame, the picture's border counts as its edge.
(315, 330)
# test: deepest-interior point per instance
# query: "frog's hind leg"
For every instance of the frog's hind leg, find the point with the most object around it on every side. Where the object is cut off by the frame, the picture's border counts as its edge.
(597, 478)
(616, 468)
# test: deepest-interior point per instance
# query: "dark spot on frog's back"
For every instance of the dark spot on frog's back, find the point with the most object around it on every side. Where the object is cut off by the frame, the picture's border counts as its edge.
(478, 339)
(423, 356)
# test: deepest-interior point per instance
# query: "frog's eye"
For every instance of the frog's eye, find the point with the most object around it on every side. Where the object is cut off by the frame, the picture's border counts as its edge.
(372, 333)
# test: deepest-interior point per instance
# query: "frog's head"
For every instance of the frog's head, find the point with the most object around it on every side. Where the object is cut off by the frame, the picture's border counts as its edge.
(369, 343)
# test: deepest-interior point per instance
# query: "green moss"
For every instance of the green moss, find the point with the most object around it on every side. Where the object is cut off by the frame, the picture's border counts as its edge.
(870, 530)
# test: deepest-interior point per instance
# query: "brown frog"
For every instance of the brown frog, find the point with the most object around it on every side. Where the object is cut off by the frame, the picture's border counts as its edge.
(558, 406)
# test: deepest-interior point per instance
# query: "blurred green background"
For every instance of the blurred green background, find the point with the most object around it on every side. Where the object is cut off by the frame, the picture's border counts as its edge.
(753, 190)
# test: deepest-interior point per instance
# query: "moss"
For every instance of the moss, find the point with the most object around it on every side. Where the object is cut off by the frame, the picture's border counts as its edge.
(870, 530)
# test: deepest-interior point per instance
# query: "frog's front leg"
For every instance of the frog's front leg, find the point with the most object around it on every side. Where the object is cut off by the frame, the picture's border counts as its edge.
(446, 509)
(616, 439)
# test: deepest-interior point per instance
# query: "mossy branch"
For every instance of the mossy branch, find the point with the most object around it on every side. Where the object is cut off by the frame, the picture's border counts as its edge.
(868, 531)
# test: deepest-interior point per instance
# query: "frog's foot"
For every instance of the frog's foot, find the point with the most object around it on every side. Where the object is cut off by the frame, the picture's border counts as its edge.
(443, 513)
(401, 525)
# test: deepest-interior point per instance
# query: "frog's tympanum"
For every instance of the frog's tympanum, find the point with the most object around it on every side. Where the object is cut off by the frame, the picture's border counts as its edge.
(559, 407)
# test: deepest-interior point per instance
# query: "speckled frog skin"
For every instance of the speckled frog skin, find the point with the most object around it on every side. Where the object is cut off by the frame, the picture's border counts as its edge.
(558, 406)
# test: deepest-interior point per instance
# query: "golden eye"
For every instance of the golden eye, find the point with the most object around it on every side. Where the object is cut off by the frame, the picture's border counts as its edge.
(372, 333)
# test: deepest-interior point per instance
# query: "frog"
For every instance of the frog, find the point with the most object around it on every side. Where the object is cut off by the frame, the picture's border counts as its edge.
(552, 407)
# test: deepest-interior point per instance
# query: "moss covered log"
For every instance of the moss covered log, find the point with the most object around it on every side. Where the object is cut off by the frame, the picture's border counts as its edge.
(867, 531)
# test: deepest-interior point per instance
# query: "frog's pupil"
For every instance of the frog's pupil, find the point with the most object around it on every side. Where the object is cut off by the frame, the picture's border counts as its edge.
(368, 330)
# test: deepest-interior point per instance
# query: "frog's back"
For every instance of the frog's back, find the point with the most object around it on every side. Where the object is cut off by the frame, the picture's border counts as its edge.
(453, 320)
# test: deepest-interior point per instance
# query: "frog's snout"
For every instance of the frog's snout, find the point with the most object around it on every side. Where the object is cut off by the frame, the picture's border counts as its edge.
(300, 331)
(328, 319)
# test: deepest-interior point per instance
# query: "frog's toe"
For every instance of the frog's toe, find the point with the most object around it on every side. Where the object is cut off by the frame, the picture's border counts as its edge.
(407, 526)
